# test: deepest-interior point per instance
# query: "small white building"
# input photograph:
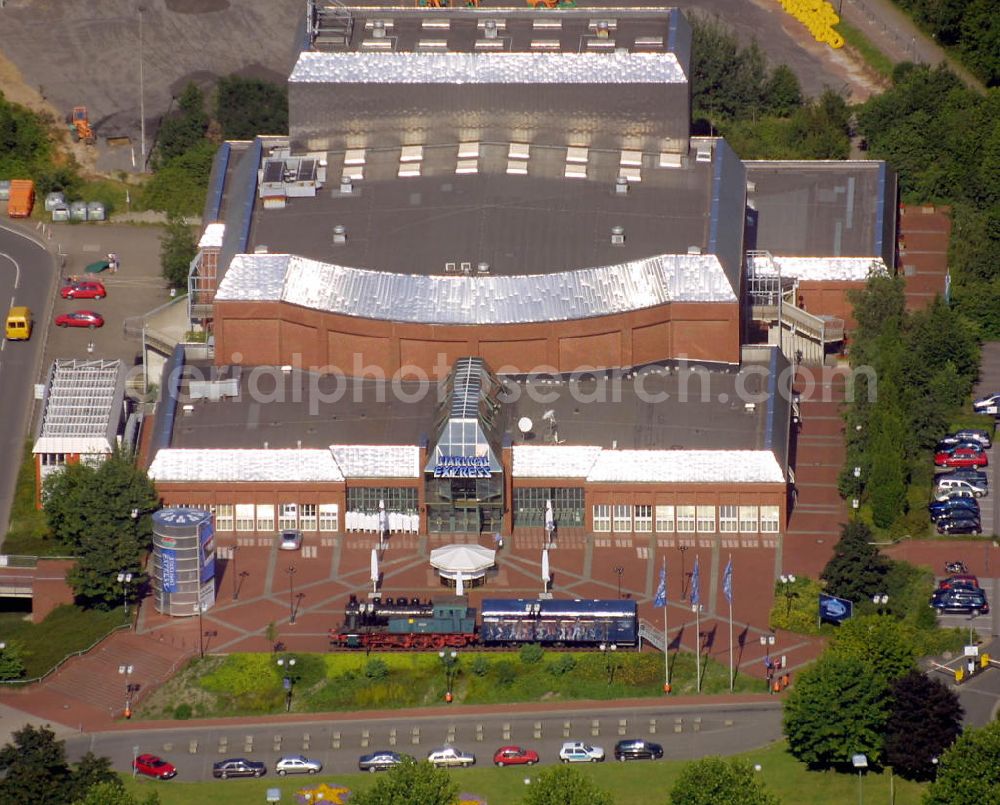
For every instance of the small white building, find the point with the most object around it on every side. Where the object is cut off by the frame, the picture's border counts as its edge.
(84, 415)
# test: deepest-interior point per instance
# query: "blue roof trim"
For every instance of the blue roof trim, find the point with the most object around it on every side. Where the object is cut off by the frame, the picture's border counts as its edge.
(883, 176)
(772, 397)
(672, 31)
(250, 199)
(213, 203)
(163, 430)
(713, 230)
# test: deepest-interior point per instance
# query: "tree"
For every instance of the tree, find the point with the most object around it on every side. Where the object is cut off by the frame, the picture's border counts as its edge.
(34, 769)
(782, 92)
(887, 478)
(968, 771)
(856, 570)
(410, 782)
(246, 107)
(109, 793)
(718, 781)
(177, 250)
(835, 711)
(925, 720)
(562, 785)
(102, 514)
(880, 644)
(94, 770)
(11, 663)
(184, 130)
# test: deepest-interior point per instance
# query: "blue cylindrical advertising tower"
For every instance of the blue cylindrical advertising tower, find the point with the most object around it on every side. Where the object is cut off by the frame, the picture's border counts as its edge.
(183, 561)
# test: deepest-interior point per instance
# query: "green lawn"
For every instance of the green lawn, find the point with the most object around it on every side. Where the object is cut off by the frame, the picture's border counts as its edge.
(632, 784)
(28, 534)
(65, 630)
(871, 55)
(251, 684)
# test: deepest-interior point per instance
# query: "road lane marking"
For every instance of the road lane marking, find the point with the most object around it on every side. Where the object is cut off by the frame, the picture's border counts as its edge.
(17, 269)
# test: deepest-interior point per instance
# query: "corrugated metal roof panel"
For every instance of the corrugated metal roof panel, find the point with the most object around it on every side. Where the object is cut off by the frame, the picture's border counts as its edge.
(377, 461)
(244, 466)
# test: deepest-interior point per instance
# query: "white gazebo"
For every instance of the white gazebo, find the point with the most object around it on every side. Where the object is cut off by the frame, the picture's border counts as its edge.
(471, 561)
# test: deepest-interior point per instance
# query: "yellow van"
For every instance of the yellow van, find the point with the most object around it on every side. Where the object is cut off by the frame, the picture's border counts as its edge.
(18, 324)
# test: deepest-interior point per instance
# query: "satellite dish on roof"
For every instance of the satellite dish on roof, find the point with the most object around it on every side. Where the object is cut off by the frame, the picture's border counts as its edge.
(549, 416)
(524, 424)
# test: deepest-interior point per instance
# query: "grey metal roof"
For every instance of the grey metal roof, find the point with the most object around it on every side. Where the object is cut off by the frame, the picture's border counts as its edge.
(568, 295)
(487, 68)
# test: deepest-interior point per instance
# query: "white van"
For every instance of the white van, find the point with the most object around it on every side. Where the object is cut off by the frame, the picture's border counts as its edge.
(946, 485)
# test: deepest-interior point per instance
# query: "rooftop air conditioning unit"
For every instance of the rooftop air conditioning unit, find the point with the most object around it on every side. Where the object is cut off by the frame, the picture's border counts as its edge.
(617, 236)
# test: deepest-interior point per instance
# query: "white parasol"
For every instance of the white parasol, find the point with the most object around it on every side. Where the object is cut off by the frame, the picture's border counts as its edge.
(374, 570)
(545, 568)
(459, 585)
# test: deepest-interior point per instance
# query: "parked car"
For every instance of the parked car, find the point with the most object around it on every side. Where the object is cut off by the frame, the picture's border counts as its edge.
(940, 510)
(960, 600)
(238, 767)
(297, 764)
(579, 752)
(290, 540)
(83, 290)
(80, 318)
(961, 484)
(515, 756)
(951, 443)
(966, 474)
(962, 457)
(965, 580)
(382, 760)
(954, 494)
(450, 756)
(975, 435)
(959, 526)
(154, 766)
(990, 404)
(637, 749)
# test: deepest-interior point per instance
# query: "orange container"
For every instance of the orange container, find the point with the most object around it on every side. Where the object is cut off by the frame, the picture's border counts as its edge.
(22, 198)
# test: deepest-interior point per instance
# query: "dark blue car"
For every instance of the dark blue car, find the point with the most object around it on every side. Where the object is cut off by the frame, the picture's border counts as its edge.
(960, 506)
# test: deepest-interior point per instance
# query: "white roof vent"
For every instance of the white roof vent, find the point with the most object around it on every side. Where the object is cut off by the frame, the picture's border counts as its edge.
(490, 29)
(617, 236)
(694, 249)
(340, 234)
(378, 29)
(621, 185)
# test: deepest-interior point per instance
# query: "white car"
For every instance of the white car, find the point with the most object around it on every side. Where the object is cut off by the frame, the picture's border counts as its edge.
(290, 540)
(450, 756)
(990, 404)
(579, 752)
(297, 764)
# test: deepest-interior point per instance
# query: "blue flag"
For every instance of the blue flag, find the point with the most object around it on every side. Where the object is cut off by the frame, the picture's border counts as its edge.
(727, 581)
(661, 590)
(695, 580)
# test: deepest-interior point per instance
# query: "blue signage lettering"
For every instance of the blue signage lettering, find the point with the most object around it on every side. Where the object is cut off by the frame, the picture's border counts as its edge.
(168, 568)
(462, 467)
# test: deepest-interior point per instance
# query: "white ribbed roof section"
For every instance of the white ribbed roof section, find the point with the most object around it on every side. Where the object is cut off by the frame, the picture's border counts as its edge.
(687, 467)
(377, 461)
(545, 461)
(82, 407)
(487, 68)
(246, 466)
(829, 269)
(520, 299)
(212, 236)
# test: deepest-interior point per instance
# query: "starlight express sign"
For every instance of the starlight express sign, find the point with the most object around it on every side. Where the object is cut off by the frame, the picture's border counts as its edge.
(462, 467)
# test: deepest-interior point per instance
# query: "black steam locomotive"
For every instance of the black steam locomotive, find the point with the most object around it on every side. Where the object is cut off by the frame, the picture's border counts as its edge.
(409, 623)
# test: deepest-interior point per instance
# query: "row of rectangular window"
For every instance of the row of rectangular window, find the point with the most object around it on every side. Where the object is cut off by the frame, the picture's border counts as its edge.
(624, 518)
(261, 517)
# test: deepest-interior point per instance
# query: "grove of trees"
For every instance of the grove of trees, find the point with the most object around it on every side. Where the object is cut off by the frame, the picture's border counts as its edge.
(968, 771)
(90, 510)
(720, 781)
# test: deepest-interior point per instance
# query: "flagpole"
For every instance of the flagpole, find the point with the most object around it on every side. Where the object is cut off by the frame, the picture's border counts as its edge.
(731, 676)
(697, 637)
(666, 643)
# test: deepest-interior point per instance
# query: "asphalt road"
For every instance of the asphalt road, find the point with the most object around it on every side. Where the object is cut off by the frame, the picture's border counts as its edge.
(684, 734)
(27, 276)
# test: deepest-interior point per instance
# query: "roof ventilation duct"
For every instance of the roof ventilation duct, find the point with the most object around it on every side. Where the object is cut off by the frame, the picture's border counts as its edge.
(617, 236)
(621, 185)
(346, 185)
(340, 234)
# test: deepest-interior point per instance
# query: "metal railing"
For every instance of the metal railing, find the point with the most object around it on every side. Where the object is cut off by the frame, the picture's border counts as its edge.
(66, 659)
(651, 635)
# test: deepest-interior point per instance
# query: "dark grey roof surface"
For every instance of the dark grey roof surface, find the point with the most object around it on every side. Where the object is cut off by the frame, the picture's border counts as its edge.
(702, 410)
(819, 209)
(516, 27)
(535, 224)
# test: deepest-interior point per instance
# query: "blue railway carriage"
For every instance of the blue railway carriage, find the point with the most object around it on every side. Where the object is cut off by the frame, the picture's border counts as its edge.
(558, 623)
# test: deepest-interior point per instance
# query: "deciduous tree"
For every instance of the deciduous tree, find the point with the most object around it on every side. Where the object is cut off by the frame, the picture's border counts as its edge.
(408, 783)
(719, 781)
(177, 250)
(879, 644)
(111, 794)
(11, 663)
(33, 769)
(968, 771)
(836, 710)
(246, 107)
(926, 719)
(563, 785)
(856, 570)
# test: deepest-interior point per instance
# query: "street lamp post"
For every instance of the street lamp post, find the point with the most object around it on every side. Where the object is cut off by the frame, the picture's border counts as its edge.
(199, 610)
(683, 549)
(124, 579)
(142, 98)
(449, 659)
(290, 570)
(768, 641)
(236, 589)
(608, 650)
(126, 671)
(619, 570)
(880, 600)
(788, 592)
(287, 664)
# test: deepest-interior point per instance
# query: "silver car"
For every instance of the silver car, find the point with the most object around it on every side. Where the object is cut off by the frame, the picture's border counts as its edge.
(290, 540)
(450, 756)
(297, 764)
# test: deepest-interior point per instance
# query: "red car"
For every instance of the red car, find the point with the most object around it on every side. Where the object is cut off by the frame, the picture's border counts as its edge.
(515, 756)
(962, 457)
(80, 318)
(83, 290)
(966, 581)
(153, 766)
